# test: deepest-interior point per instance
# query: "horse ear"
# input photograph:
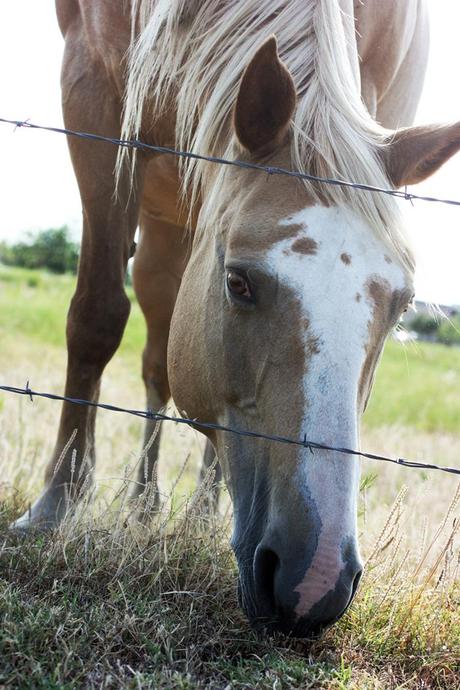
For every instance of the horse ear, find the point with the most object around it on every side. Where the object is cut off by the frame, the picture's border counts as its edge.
(266, 100)
(415, 153)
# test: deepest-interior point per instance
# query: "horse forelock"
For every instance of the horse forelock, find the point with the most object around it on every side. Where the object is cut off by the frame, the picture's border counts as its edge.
(196, 52)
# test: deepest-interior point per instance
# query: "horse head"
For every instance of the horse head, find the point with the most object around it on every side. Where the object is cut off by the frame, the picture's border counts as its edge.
(282, 315)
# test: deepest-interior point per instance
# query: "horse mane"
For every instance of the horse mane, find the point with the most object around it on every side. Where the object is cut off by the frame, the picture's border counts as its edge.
(195, 52)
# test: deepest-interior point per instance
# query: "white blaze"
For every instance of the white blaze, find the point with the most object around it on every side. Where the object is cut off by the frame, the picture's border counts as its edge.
(335, 300)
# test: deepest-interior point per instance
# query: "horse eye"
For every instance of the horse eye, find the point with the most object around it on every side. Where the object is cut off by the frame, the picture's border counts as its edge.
(409, 304)
(238, 285)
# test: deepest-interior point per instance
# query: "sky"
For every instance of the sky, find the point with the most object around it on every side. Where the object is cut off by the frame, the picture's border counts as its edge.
(37, 184)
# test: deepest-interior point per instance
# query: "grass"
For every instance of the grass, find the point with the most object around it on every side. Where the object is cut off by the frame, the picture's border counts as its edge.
(417, 386)
(34, 303)
(106, 602)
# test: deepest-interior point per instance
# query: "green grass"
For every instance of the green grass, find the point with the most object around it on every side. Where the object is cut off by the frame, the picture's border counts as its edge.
(418, 386)
(35, 303)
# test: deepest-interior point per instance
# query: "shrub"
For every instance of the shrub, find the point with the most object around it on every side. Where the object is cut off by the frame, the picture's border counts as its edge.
(449, 331)
(51, 249)
(423, 324)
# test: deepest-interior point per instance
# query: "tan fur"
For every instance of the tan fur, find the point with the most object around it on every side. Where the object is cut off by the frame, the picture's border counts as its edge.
(415, 153)
(392, 41)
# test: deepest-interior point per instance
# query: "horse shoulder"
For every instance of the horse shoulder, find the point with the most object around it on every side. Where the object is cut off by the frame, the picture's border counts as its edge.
(100, 29)
(392, 40)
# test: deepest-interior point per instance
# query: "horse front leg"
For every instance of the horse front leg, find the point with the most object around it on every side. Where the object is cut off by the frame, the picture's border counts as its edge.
(158, 265)
(99, 309)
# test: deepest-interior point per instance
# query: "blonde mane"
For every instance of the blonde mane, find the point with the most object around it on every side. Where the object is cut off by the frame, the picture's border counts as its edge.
(193, 53)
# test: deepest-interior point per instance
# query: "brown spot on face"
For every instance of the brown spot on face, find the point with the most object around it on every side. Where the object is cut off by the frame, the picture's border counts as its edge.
(358, 297)
(387, 259)
(284, 232)
(313, 346)
(258, 240)
(387, 303)
(386, 308)
(346, 258)
(305, 245)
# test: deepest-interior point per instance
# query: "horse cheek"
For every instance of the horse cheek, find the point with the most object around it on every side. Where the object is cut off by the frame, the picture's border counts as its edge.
(192, 348)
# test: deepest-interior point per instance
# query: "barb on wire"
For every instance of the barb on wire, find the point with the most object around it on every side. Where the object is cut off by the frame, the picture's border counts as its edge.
(140, 145)
(161, 417)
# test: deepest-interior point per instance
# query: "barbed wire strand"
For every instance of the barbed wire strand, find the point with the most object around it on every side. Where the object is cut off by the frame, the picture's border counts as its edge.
(140, 145)
(161, 417)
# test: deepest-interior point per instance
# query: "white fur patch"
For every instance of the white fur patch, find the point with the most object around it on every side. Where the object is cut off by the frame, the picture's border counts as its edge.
(327, 287)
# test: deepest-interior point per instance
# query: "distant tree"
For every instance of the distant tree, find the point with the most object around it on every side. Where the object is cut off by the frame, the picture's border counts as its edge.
(52, 249)
(423, 324)
(449, 331)
(5, 253)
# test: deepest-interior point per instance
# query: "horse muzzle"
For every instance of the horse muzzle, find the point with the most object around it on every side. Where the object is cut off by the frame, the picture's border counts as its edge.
(279, 595)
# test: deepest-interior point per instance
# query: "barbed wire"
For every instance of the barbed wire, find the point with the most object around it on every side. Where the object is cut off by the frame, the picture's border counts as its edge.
(269, 170)
(161, 417)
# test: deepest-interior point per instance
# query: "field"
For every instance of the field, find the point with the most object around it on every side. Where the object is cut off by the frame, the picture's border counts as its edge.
(107, 602)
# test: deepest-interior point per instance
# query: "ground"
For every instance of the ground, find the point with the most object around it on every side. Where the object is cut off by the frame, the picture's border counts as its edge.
(108, 603)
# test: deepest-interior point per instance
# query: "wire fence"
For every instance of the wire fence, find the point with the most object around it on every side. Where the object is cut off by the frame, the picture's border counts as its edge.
(268, 170)
(161, 417)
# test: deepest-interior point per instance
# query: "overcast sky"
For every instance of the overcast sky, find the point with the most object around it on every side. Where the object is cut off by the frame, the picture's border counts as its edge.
(38, 189)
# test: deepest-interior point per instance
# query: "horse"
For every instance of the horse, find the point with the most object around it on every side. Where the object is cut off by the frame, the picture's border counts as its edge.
(267, 299)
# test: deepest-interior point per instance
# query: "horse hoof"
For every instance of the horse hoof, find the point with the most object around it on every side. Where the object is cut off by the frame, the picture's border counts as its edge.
(24, 525)
(45, 514)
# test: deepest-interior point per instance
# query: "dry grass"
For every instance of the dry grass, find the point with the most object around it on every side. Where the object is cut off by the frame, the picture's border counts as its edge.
(109, 603)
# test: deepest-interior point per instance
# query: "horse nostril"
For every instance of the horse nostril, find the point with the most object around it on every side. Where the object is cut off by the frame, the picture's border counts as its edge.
(266, 565)
(355, 584)
(271, 601)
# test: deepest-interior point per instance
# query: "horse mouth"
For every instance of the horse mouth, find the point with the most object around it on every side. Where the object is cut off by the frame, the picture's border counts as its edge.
(264, 621)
